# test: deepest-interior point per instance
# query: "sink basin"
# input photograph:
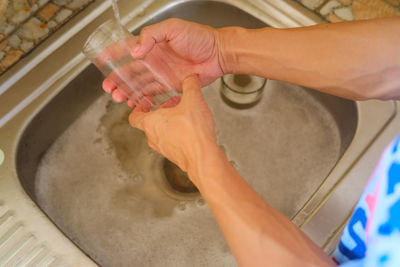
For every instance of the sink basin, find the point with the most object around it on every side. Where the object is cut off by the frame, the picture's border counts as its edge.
(96, 179)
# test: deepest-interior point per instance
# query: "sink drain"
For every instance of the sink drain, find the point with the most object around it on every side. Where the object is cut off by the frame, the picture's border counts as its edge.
(177, 178)
(175, 182)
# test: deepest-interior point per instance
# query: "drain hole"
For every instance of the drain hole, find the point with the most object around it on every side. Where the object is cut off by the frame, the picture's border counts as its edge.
(178, 179)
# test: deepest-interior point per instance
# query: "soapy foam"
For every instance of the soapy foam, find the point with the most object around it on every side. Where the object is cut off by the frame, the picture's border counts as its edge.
(284, 146)
(97, 183)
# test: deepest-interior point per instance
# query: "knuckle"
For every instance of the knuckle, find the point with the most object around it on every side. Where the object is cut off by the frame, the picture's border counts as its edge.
(146, 127)
(145, 30)
(173, 20)
(131, 119)
(150, 144)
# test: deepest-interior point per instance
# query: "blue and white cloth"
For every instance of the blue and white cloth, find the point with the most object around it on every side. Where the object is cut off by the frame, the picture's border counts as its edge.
(372, 236)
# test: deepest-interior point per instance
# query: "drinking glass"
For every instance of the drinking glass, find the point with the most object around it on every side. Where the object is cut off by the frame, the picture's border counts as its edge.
(242, 90)
(147, 81)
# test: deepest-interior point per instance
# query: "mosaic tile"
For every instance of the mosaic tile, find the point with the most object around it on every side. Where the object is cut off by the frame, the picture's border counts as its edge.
(312, 4)
(6, 29)
(3, 7)
(48, 11)
(20, 16)
(63, 15)
(17, 11)
(26, 46)
(34, 8)
(329, 6)
(11, 57)
(333, 18)
(25, 23)
(394, 2)
(62, 2)
(14, 41)
(347, 2)
(42, 2)
(77, 4)
(3, 44)
(345, 13)
(33, 30)
(342, 10)
(369, 9)
(51, 24)
(18, 4)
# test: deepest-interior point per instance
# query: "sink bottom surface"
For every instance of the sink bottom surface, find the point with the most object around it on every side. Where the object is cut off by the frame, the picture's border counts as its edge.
(100, 182)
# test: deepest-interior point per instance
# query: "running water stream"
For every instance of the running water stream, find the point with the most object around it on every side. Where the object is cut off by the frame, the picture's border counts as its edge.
(116, 14)
(169, 91)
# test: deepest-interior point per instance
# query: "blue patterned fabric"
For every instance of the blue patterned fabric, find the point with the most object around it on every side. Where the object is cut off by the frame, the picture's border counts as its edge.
(372, 236)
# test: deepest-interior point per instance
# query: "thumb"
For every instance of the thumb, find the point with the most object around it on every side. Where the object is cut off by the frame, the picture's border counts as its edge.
(136, 117)
(191, 87)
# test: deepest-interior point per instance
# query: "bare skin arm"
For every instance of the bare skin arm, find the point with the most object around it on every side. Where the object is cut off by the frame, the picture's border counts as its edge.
(257, 234)
(357, 60)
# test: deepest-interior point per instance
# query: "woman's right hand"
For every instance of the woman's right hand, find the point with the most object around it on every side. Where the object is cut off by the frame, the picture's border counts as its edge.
(186, 47)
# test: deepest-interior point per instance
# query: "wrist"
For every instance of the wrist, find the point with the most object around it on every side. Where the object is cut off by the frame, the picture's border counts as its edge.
(205, 158)
(248, 51)
(228, 40)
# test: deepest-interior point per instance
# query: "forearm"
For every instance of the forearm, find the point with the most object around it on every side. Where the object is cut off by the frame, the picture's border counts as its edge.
(356, 60)
(257, 234)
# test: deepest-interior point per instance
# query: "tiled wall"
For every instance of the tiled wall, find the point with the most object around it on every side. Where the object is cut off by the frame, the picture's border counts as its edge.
(342, 10)
(25, 23)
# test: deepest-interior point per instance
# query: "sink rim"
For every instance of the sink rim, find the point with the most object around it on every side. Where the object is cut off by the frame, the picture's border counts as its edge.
(25, 210)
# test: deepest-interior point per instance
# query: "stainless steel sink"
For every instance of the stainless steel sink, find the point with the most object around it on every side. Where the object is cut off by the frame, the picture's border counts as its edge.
(96, 179)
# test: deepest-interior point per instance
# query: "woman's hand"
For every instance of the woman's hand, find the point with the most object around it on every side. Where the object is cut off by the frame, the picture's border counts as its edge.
(185, 47)
(184, 133)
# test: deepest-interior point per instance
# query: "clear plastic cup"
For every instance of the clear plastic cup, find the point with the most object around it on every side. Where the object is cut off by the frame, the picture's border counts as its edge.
(148, 81)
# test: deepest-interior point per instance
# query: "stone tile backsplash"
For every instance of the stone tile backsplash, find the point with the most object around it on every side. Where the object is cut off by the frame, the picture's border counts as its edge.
(25, 23)
(342, 10)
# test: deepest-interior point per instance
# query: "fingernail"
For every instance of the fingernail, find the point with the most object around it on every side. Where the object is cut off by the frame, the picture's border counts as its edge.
(136, 49)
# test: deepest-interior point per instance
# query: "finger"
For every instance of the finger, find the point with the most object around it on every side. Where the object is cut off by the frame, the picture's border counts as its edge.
(131, 77)
(191, 88)
(146, 78)
(172, 102)
(153, 88)
(146, 103)
(109, 86)
(128, 71)
(132, 42)
(130, 104)
(150, 35)
(118, 96)
(151, 145)
(136, 117)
